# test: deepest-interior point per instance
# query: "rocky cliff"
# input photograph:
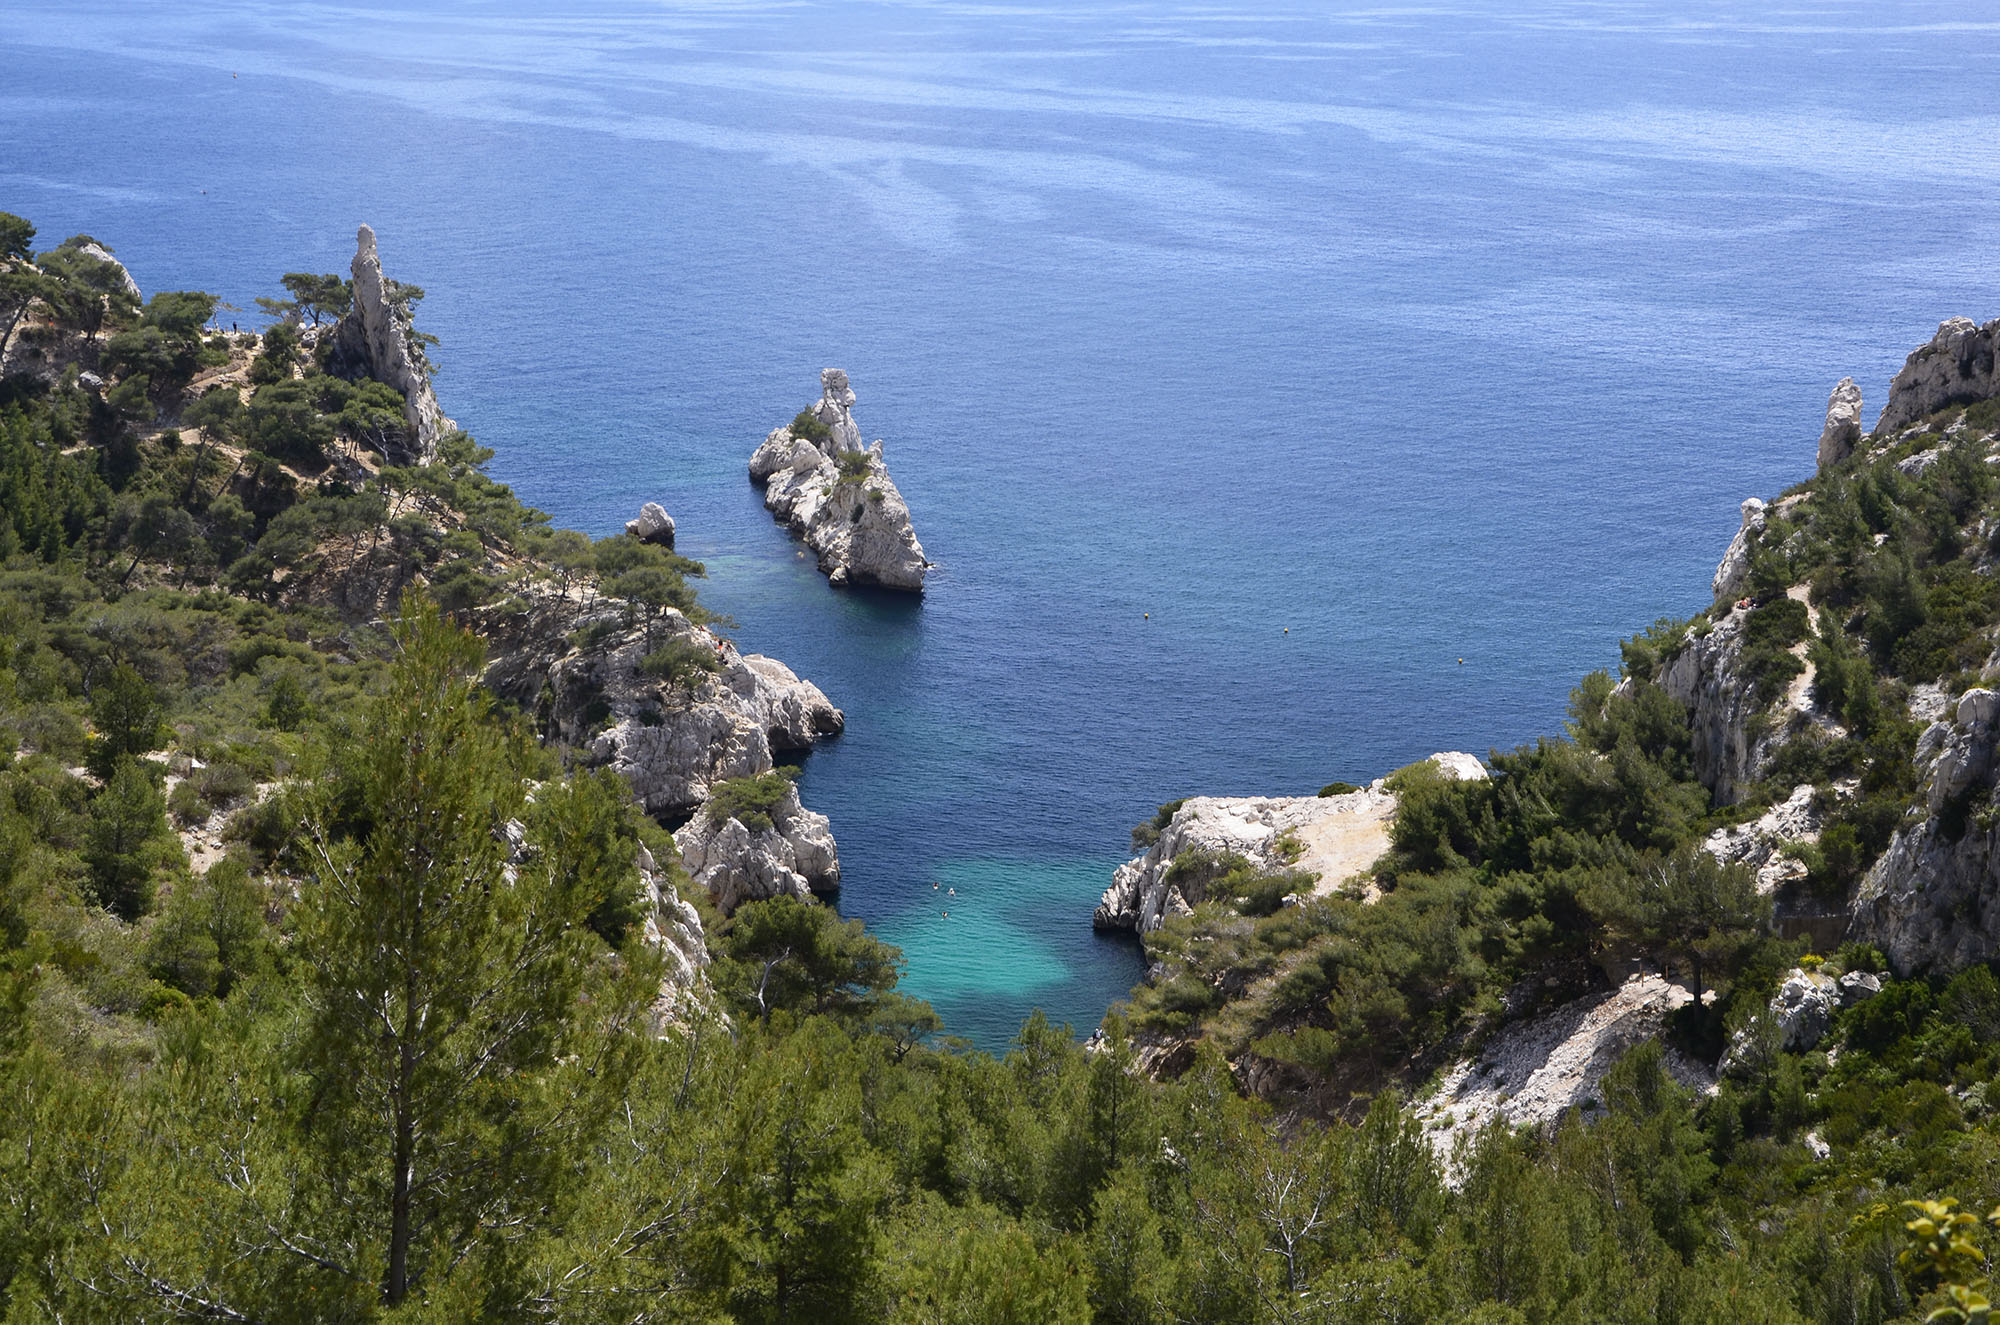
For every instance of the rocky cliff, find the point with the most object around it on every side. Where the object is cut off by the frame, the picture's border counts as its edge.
(1955, 368)
(375, 339)
(839, 497)
(788, 853)
(672, 737)
(1332, 839)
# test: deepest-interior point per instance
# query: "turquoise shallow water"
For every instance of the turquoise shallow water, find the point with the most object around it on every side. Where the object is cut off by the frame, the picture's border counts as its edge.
(1423, 331)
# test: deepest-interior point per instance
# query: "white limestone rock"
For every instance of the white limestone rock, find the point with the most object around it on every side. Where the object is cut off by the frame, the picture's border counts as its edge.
(1731, 749)
(794, 857)
(124, 277)
(1759, 845)
(671, 741)
(1336, 838)
(858, 524)
(1736, 559)
(1843, 424)
(375, 339)
(673, 926)
(1534, 1071)
(654, 525)
(1956, 367)
(1932, 900)
(1803, 1008)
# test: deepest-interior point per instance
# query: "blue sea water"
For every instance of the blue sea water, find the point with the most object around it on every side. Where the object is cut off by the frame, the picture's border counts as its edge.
(1348, 341)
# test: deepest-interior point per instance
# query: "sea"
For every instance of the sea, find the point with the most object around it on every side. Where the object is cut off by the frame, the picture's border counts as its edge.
(1284, 391)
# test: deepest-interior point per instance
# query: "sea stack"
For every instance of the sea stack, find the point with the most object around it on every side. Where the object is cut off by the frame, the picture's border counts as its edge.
(839, 497)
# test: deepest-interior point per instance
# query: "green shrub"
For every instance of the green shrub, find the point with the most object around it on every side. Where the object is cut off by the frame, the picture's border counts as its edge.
(1149, 832)
(853, 466)
(1645, 652)
(680, 662)
(1768, 638)
(750, 800)
(1338, 789)
(806, 424)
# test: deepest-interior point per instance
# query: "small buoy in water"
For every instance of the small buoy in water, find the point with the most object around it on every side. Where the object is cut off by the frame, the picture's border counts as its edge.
(1461, 662)
(1149, 616)
(1288, 630)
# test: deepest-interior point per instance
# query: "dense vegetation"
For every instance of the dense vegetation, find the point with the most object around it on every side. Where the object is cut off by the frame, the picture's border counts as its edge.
(325, 991)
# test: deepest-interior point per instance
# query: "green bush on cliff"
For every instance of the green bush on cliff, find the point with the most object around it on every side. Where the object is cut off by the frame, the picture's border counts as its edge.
(750, 801)
(854, 466)
(807, 425)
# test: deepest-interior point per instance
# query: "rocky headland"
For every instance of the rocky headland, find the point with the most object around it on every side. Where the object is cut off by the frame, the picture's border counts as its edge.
(838, 496)
(1834, 712)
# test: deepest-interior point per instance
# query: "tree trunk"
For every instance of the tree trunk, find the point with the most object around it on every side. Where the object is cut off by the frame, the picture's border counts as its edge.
(398, 1284)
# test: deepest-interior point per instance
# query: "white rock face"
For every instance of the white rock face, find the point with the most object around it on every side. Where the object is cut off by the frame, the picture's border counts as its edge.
(375, 340)
(1759, 845)
(654, 525)
(1932, 901)
(674, 927)
(1534, 1071)
(103, 255)
(1957, 367)
(670, 741)
(1736, 559)
(859, 525)
(1843, 424)
(794, 857)
(1703, 678)
(1338, 838)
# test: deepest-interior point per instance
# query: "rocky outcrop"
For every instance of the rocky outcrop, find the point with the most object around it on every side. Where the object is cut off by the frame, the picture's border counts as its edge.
(1731, 751)
(1932, 902)
(1759, 846)
(1956, 368)
(118, 272)
(671, 737)
(1533, 1072)
(654, 525)
(375, 339)
(1842, 432)
(1333, 838)
(792, 856)
(838, 497)
(1735, 563)
(674, 927)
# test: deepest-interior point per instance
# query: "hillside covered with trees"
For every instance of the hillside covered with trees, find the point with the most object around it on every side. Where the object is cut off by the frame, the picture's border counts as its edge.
(333, 986)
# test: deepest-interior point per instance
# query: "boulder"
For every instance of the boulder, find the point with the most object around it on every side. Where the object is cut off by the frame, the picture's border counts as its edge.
(1843, 424)
(654, 525)
(1736, 559)
(1858, 987)
(794, 856)
(1955, 368)
(854, 518)
(670, 738)
(1803, 1008)
(375, 339)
